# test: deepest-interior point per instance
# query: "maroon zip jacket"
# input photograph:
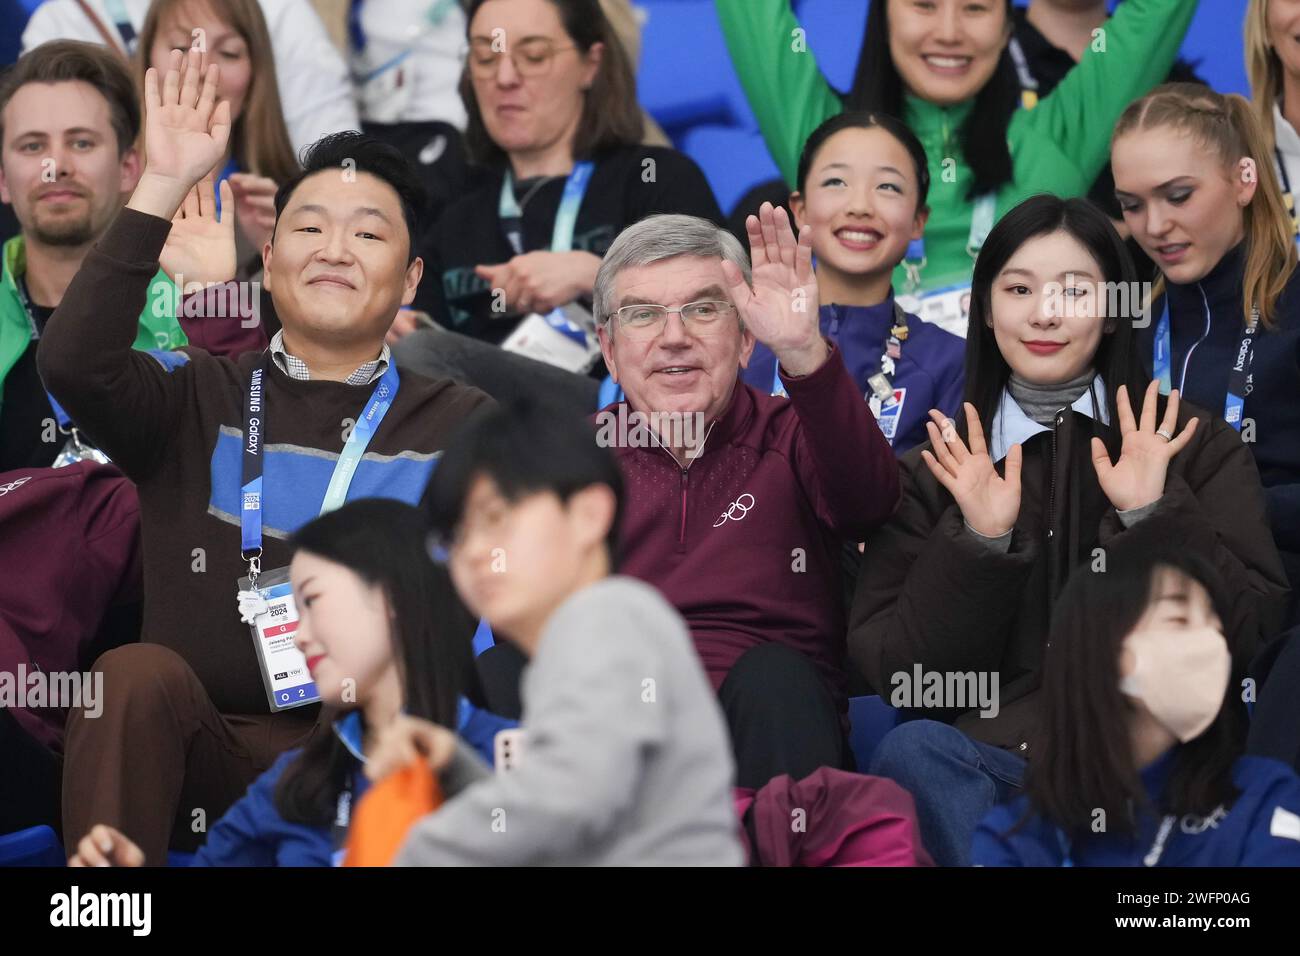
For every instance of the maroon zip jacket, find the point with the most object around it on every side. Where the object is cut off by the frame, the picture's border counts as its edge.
(745, 542)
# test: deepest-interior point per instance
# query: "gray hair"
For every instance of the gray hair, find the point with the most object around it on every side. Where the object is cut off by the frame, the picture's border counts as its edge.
(663, 236)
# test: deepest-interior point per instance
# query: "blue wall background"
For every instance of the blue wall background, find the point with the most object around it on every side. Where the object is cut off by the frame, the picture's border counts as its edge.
(688, 85)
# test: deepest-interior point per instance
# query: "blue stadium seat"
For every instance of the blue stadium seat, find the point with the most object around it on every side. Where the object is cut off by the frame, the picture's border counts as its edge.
(686, 77)
(610, 392)
(35, 846)
(734, 160)
(870, 718)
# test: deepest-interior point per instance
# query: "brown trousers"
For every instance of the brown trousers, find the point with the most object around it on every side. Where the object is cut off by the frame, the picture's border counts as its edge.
(160, 763)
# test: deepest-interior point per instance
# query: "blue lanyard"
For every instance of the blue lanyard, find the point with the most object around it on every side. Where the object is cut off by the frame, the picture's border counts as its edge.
(566, 219)
(231, 167)
(1240, 383)
(250, 513)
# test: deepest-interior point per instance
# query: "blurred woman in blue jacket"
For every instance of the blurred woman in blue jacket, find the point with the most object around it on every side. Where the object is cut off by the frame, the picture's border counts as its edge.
(383, 634)
(863, 182)
(1143, 728)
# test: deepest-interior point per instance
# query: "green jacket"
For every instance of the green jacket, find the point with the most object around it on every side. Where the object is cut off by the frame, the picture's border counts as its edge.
(1059, 146)
(158, 326)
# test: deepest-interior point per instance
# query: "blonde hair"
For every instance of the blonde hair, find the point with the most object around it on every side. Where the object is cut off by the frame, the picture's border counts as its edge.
(259, 141)
(1227, 124)
(1263, 69)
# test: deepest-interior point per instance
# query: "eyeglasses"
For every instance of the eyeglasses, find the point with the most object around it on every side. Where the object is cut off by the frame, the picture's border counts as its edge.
(646, 321)
(490, 522)
(531, 57)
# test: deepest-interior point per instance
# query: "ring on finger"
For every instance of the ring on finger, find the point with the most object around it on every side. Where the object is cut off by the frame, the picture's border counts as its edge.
(1165, 434)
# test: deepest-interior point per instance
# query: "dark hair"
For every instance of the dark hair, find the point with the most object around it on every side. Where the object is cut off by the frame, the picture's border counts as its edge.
(1116, 359)
(67, 61)
(611, 115)
(857, 119)
(878, 88)
(1084, 762)
(359, 153)
(384, 542)
(524, 447)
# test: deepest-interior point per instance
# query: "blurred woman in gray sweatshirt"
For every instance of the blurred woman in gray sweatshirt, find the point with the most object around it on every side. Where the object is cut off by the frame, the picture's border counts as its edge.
(624, 757)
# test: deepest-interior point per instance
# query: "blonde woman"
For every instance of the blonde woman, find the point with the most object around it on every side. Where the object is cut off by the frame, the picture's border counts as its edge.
(1273, 66)
(1195, 179)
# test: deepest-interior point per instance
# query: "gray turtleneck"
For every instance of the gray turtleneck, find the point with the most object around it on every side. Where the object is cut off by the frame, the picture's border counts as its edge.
(1042, 402)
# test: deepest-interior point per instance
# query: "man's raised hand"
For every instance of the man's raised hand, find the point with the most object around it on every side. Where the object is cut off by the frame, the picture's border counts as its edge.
(781, 309)
(186, 132)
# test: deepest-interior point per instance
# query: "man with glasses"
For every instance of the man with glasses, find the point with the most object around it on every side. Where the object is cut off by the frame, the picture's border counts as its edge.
(739, 518)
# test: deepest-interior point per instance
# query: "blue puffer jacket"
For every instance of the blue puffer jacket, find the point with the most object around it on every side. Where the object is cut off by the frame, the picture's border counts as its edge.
(252, 832)
(1262, 828)
(928, 373)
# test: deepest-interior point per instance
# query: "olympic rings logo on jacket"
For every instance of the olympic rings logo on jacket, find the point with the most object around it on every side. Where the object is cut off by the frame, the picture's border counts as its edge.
(730, 513)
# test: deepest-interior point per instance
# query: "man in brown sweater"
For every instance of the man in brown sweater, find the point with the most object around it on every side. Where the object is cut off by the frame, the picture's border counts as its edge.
(186, 721)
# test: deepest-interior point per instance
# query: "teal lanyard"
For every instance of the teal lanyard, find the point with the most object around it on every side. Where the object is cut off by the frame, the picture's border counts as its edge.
(566, 220)
(981, 224)
(566, 217)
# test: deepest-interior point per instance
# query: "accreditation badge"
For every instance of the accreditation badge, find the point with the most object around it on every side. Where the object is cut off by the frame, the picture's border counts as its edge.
(274, 624)
(543, 341)
(888, 414)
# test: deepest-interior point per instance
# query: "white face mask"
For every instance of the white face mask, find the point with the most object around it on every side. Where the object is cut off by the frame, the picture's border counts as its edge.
(1180, 675)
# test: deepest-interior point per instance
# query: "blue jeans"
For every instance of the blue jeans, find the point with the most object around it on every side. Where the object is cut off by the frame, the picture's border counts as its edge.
(953, 779)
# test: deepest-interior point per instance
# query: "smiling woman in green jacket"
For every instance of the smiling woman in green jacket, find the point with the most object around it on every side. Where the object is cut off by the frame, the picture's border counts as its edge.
(943, 66)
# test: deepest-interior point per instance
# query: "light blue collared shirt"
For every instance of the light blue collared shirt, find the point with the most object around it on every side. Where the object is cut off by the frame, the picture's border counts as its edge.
(1011, 426)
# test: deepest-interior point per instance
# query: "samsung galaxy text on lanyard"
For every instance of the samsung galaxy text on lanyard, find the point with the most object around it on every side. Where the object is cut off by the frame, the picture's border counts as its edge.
(1240, 383)
(251, 492)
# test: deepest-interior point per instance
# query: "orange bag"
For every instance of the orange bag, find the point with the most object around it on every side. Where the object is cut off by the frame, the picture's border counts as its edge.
(388, 810)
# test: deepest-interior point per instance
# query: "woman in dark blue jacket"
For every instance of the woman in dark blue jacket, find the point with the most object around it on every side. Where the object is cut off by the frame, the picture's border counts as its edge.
(863, 182)
(1195, 180)
(1142, 729)
(383, 634)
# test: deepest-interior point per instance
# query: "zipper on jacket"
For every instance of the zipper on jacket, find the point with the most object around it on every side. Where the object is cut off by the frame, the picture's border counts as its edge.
(1187, 359)
(681, 531)
(685, 473)
(1058, 417)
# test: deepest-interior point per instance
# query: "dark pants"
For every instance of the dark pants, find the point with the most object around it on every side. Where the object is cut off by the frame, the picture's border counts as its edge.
(29, 779)
(782, 717)
(954, 781)
(160, 763)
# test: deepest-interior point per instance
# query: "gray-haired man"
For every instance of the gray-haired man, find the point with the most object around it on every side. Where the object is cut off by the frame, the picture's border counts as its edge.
(740, 521)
